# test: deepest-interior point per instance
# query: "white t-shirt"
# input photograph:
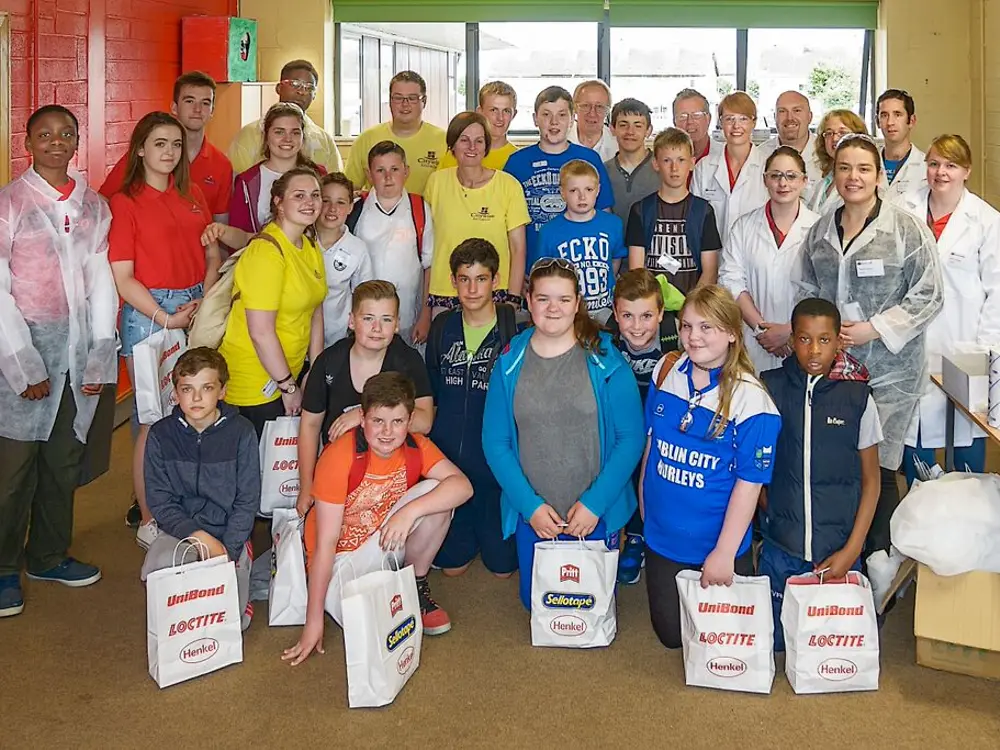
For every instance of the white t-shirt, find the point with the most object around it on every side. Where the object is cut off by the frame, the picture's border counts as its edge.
(267, 179)
(348, 264)
(606, 147)
(871, 426)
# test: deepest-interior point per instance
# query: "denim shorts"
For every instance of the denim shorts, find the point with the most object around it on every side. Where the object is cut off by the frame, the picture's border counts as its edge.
(135, 326)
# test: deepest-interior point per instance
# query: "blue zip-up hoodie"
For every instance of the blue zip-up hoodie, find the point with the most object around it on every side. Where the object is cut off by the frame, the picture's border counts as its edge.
(208, 481)
(619, 423)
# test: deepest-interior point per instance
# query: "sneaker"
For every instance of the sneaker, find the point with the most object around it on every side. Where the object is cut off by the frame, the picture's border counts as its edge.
(435, 619)
(70, 572)
(11, 598)
(632, 559)
(146, 534)
(134, 516)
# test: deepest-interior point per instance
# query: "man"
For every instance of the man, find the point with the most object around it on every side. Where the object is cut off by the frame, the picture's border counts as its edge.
(591, 104)
(793, 116)
(905, 170)
(193, 105)
(423, 143)
(498, 104)
(631, 169)
(692, 115)
(298, 85)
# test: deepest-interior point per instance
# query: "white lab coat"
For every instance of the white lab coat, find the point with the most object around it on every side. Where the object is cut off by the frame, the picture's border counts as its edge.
(753, 263)
(912, 176)
(813, 169)
(819, 200)
(969, 253)
(606, 147)
(892, 273)
(58, 303)
(711, 182)
(347, 264)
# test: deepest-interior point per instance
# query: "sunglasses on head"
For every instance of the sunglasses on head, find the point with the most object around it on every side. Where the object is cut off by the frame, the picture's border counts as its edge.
(542, 263)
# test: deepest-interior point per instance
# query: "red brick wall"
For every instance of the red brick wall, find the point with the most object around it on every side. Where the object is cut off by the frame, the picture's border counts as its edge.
(139, 41)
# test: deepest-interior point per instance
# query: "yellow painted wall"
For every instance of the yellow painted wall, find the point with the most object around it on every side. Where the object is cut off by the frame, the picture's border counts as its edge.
(985, 129)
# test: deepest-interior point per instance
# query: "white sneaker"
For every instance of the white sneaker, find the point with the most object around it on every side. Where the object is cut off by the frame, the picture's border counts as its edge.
(146, 534)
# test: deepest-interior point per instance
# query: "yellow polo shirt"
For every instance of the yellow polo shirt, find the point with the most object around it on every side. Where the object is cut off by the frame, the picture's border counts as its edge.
(424, 151)
(495, 159)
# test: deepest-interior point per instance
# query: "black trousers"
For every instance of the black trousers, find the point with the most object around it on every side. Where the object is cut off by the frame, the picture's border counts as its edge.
(262, 414)
(888, 501)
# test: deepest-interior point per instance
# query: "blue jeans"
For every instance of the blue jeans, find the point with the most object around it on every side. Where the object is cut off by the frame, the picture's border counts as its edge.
(135, 326)
(973, 456)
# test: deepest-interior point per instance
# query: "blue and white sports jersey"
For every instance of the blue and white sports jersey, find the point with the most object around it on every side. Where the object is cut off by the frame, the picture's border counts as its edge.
(690, 474)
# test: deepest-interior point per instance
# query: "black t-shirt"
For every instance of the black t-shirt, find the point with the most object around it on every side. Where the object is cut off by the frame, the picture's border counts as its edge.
(331, 390)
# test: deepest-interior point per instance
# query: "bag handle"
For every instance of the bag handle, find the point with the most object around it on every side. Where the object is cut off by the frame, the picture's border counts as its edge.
(193, 543)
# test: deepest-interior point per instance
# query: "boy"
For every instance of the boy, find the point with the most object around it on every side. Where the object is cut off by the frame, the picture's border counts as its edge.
(369, 504)
(58, 310)
(631, 169)
(498, 104)
(462, 348)
(905, 170)
(202, 473)
(590, 240)
(537, 167)
(830, 432)
(671, 231)
(397, 228)
(643, 333)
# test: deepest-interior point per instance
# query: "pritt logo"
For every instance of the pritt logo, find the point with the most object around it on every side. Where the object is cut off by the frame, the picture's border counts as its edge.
(837, 670)
(395, 605)
(569, 573)
(200, 650)
(289, 488)
(726, 666)
(405, 660)
(568, 625)
(399, 635)
(563, 600)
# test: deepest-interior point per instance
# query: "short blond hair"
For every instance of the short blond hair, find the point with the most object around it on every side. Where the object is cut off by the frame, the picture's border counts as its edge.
(577, 168)
(497, 88)
(375, 290)
(954, 148)
(672, 138)
(739, 103)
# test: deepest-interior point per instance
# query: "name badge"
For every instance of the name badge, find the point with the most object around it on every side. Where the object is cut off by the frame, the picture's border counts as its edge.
(868, 268)
(669, 263)
(269, 389)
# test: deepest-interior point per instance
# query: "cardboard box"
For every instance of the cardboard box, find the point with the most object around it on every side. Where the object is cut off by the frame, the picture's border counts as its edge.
(966, 378)
(957, 622)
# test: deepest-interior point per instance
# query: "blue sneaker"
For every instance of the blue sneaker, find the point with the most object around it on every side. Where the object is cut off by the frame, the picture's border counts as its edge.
(11, 598)
(632, 559)
(70, 572)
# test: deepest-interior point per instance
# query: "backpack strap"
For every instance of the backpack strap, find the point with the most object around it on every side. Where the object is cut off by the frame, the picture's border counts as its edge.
(506, 330)
(419, 215)
(259, 236)
(694, 226)
(647, 209)
(359, 464)
(669, 360)
(352, 218)
(414, 461)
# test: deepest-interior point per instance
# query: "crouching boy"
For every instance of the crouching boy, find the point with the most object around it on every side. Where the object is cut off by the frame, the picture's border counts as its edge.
(202, 473)
(826, 479)
(371, 502)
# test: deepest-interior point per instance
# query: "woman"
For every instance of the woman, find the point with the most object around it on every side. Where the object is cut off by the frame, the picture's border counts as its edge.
(250, 206)
(712, 431)
(277, 316)
(761, 254)
(562, 428)
(879, 265)
(731, 178)
(967, 230)
(835, 125)
(161, 269)
(472, 201)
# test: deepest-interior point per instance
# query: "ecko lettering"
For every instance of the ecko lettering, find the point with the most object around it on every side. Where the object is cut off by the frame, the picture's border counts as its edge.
(559, 600)
(725, 608)
(196, 623)
(195, 594)
(401, 633)
(834, 611)
(837, 641)
(727, 639)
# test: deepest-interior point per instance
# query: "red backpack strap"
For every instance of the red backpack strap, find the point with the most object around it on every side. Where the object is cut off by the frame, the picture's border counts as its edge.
(414, 461)
(360, 463)
(417, 211)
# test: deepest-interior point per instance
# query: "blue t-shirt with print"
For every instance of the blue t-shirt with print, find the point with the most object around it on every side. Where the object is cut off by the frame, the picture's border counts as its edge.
(592, 246)
(538, 173)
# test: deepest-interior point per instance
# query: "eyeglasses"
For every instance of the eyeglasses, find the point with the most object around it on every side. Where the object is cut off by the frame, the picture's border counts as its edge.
(789, 176)
(683, 117)
(542, 263)
(412, 98)
(688, 419)
(506, 111)
(304, 86)
(827, 134)
(597, 109)
(736, 120)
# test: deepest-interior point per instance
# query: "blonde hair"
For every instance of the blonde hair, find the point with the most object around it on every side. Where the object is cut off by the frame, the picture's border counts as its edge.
(952, 147)
(497, 88)
(375, 290)
(672, 138)
(853, 123)
(577, 168)
(738, 103)
(717, 305)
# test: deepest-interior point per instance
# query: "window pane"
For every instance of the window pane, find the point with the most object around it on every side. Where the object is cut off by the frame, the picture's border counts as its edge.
(350, 85)
(652, 65)
(823, 64)
(533, 56)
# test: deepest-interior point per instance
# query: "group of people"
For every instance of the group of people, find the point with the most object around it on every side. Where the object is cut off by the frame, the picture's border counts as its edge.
(665, 348)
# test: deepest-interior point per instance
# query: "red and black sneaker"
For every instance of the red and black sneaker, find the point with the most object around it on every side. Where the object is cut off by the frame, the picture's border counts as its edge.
(435, 619)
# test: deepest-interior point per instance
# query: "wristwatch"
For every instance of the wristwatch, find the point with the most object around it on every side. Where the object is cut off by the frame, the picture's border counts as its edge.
(289, 389)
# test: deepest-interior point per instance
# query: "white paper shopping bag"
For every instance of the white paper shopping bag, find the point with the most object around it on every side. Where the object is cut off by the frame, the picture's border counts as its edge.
(192, 620)
(153, 359)
(279, 464)
(831, 634)
(573, 594)
(727, 633)
(383, 634)
(288, 593)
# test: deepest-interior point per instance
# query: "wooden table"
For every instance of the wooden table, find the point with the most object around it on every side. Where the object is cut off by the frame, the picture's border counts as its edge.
(978, 418)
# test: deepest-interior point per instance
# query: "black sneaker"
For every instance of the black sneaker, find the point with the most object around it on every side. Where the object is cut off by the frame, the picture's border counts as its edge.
(435, 619)
(134, 516)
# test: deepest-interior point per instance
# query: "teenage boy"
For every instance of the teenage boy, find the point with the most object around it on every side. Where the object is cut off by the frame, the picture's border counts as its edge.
(671, 231)
(589, 239)
(819, 505)
(693, 116)
(58, 310)
(369, 503)
(498, 104)
(537, 167)
(643, 332)
(631, 169)
(463, 346)
(298, 84)
(193, 105)
(423, 143)
(905, 170)
(202, 472)
(591, 103)
(792, 116)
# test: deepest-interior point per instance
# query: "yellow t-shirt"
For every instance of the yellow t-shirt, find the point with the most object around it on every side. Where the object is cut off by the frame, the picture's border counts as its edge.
(423, 153)
(459, 213)
(293, 283)
(495, 159)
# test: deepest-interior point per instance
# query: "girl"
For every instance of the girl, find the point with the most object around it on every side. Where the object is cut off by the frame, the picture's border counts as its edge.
(277, 316)
(712, 430)
(967, 230)
(835, 125)
(562, 428)
(762, 251)
(160, 267)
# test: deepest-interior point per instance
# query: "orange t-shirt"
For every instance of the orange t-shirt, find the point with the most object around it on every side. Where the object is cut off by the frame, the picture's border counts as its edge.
(366, 508)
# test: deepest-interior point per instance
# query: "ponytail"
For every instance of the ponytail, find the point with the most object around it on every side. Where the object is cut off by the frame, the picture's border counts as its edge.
(588, 332)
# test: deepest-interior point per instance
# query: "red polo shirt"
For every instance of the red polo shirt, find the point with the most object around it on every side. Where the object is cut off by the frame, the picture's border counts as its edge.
(161, 234)
(210, 170)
